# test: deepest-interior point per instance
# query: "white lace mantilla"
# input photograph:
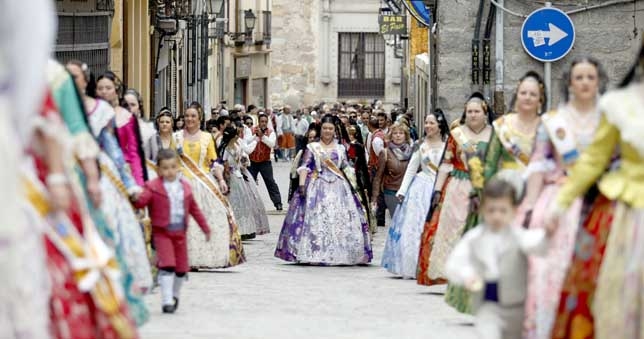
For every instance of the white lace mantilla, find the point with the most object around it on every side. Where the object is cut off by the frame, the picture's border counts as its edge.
(624, 109)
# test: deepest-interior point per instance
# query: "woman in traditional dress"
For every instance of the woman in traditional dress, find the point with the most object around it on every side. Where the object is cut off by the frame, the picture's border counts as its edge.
(239, 193)
(162, 139)
(197, 157)
(392, 164)
(514, 133)
(179, 123)
(400, 256)
(358, 160)
(609, 246)
(134, 103)
(510, 148)
(86, 294)
(563, 135)
(325, 223)
(24, 51)
(259, 210)
(468, 140)
(110, 89)
(121, 226)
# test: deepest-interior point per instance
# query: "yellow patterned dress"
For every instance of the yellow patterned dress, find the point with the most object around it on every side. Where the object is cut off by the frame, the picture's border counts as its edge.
(225, 247)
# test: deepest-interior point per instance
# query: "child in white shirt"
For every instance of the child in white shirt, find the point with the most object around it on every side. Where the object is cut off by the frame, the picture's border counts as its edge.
(491, 260)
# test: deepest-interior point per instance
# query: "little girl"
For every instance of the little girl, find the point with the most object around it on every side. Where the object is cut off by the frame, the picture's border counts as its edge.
(170, 202)
(491, 260)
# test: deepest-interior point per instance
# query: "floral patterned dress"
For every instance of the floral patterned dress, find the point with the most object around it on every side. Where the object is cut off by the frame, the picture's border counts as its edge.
(327, 225)
(446, 224)
(86, 277)
(400, 256)
(225, 247)
(558, 144)
(243, 195)
(118, 215)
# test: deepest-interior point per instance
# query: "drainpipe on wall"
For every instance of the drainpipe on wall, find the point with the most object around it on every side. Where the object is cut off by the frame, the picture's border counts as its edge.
(487, 51)
(326, 24)
(499, 99)
(547, 76)
(429, 67)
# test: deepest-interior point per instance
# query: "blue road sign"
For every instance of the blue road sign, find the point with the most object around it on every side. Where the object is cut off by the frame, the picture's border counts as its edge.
(548, 34)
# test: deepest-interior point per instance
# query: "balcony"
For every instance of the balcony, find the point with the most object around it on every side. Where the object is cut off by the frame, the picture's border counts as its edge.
(171, 8)
(261, 33)
(105, 5)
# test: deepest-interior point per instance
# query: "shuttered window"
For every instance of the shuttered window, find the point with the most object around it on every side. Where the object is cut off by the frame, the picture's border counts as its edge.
(361, 65)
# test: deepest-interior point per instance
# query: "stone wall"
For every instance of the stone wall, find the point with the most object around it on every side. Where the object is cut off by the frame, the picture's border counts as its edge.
(294, 48)
(611, 34)
(305, 49)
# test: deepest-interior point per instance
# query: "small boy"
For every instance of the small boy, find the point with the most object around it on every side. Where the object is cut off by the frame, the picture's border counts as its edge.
(170, 202)
(491, 260)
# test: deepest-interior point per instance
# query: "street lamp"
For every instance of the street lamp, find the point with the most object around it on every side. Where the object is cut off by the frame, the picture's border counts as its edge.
(216, 7)
(249, 20)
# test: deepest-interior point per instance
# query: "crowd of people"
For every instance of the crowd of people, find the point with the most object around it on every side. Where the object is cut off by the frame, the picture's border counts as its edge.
(533, 219)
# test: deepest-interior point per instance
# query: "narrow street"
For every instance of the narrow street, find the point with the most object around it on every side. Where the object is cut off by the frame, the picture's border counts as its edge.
(268, 298)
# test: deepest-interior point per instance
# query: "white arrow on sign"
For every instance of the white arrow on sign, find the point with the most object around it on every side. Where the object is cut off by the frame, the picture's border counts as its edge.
(554, 35)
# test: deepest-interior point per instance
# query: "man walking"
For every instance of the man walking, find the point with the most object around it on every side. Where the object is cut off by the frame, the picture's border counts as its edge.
(286, 137)
(260, 159)
(301, 127)
(363, 123)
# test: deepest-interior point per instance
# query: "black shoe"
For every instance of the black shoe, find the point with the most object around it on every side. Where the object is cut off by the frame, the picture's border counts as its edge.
(169, 308)
(278, 207)
(176, 303)
(248, 236)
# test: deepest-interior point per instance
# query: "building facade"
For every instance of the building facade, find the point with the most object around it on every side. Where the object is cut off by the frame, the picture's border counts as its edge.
(248, 54)
(211, 55)
(330, 50)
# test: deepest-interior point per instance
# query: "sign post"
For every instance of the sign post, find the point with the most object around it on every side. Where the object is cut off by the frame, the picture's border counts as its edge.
(548, 35)
(392, 24)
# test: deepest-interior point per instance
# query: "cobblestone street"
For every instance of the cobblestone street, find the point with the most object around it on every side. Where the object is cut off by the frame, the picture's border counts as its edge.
(268, 298)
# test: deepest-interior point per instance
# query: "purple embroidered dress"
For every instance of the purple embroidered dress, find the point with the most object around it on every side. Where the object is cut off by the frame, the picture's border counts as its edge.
(328, 225)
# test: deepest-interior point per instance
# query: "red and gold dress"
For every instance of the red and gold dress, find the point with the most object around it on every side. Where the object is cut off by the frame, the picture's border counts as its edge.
(86, 298)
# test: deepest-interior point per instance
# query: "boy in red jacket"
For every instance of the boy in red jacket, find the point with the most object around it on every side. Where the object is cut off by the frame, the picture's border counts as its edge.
(170, 202)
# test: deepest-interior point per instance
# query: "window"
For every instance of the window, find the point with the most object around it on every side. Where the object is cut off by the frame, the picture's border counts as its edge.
(361, 65)
(85, 37)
